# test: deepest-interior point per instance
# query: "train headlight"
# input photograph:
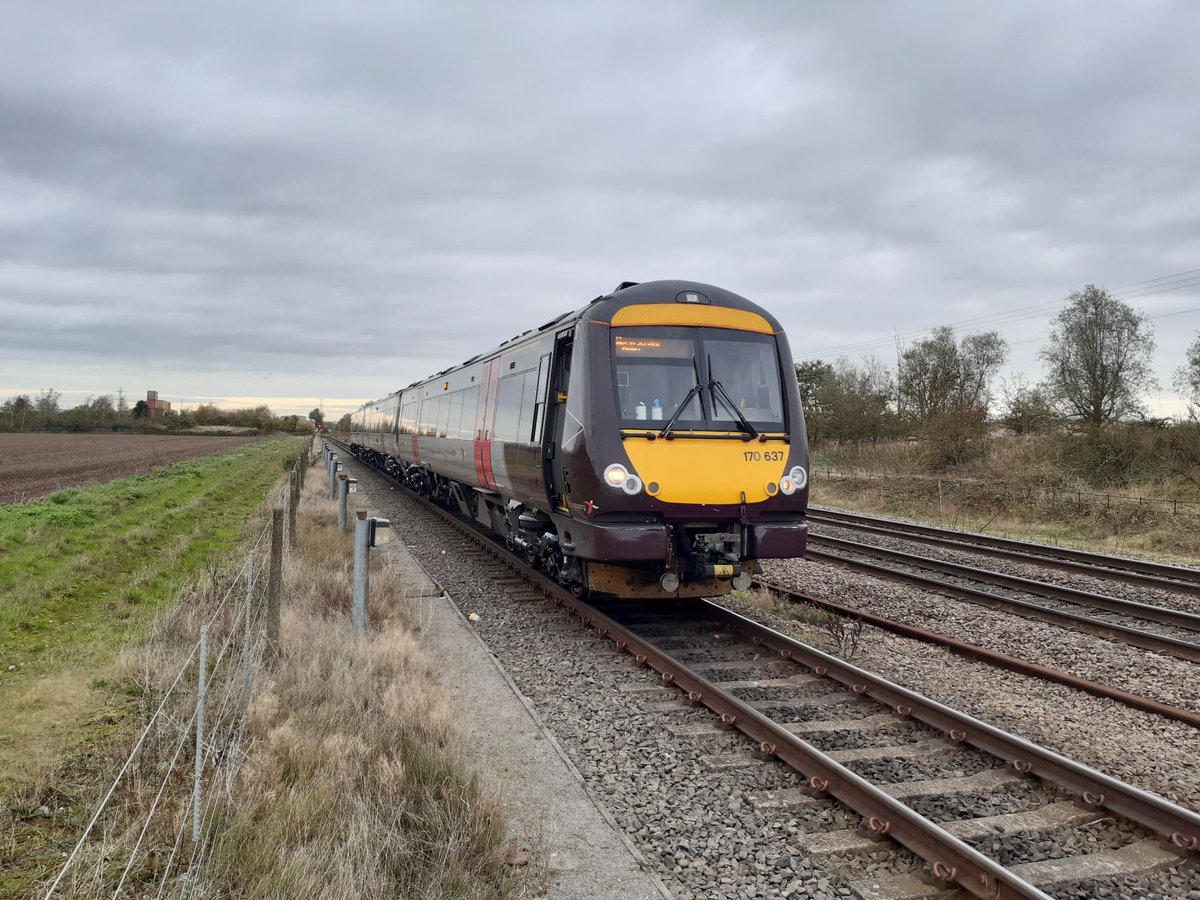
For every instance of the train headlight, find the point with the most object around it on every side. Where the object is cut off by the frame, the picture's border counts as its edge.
(616, 475)
(787, 485)
(799, 477)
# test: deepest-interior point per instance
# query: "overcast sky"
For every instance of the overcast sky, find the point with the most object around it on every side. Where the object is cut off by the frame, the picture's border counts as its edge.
(296, 201)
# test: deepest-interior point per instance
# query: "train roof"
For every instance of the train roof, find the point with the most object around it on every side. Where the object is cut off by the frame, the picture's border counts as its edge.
(603, 308)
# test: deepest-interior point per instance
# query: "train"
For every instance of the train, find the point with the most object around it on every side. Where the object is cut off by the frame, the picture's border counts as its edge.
(650, 444)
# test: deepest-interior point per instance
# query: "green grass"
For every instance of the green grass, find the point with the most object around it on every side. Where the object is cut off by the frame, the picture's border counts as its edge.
(83, 571)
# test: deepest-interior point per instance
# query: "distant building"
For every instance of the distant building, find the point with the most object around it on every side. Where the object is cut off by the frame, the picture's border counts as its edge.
(157, 407)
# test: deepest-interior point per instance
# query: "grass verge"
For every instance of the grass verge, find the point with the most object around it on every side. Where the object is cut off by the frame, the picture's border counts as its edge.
(344, 774)
(985, 507)
(83, 574)
(355, 784)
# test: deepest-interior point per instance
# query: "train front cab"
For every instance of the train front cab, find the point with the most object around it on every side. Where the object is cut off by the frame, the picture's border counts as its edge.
(678, 458)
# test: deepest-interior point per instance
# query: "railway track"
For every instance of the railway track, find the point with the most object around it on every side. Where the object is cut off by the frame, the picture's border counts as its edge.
(992, 657)
(1142, 573)
(1175, 632)
(784, 696)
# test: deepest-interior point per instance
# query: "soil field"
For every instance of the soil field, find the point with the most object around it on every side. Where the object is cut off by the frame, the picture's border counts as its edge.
(33, 465)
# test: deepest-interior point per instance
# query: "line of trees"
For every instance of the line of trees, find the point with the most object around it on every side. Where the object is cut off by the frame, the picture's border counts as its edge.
(25, 413)
(1098, 364)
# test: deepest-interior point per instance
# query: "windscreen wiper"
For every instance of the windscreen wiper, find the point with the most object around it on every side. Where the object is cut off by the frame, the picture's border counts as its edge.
(688, 397)
(716, 389)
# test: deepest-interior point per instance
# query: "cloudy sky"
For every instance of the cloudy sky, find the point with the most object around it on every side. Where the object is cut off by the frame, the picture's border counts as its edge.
(294, 201)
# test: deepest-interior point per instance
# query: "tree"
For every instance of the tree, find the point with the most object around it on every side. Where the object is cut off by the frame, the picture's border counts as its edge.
(857, 402)
(47, 405)
(1027, 409)
(16, 410)
(1187, 377)
(1098, 358)
(940, 375)
(141, 409)
(345, 422)
(814, 378)
(317, 416)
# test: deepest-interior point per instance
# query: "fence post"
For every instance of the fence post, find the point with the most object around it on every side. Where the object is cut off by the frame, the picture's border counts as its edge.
(274, 580)
(358, 607)
(249, 616)
(293, 501)
(199, 733)
(333, 476)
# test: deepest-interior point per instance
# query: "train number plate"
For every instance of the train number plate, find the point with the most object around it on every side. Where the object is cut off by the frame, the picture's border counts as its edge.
(763, 455)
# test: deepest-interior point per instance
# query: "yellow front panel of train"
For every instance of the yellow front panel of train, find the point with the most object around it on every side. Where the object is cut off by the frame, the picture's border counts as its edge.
(695, 470)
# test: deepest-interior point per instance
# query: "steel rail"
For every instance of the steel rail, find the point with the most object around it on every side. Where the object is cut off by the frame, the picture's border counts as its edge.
(955, 861)
(976, 652)
(952, 860)
(1095, 565)
(1094, 788)
(1135, 637)
(1160, 614)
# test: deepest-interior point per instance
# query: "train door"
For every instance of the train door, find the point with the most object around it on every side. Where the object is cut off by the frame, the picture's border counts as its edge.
(483, 434)
(556, 418)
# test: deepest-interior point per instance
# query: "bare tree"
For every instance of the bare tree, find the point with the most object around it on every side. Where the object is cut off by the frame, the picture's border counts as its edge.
(16, 410)
(1187, 377)
(856, 401)
(940, 375)
(1027, 409)
(1099, 357)
(47, 404)
(814, 378)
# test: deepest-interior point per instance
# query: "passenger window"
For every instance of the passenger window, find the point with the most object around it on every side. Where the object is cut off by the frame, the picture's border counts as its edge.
(508, 409)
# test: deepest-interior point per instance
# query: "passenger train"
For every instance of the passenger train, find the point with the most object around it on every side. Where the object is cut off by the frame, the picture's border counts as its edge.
(649, 444)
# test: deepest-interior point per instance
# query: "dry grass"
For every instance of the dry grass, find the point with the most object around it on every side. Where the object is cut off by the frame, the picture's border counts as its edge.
(355, 784)
(341, 773)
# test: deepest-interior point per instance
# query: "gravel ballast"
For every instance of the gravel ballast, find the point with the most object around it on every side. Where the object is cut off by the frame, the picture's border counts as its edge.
(697, 822)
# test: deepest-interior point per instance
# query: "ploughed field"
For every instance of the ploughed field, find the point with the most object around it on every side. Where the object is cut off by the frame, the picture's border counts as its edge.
(33, 465)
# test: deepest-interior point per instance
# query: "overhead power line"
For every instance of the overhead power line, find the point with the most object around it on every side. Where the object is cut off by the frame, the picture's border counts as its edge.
(1133, 290)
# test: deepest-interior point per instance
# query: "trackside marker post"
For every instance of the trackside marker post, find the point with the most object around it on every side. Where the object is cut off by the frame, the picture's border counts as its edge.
(358, 608)
(368, 533)
(334, 468)
(346, 487)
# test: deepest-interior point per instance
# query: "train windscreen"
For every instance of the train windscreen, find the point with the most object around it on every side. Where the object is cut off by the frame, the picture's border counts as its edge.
(704, 378)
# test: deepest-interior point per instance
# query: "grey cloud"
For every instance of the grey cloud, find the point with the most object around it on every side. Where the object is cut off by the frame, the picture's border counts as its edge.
(298, 189)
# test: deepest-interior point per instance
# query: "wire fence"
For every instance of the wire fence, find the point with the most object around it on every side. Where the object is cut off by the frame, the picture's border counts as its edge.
(1053, 497)
(153, 830)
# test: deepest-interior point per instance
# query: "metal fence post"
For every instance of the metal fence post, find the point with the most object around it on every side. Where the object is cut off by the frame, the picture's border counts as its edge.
(343, 492)
(333, 468)
(199, 733)
(274, 580)
(358, 607)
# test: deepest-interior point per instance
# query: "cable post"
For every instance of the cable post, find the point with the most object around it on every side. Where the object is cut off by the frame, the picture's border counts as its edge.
(358, 607)
(343, 493)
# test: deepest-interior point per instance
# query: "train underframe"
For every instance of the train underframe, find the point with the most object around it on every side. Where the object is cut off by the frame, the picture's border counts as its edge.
(697, 560)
